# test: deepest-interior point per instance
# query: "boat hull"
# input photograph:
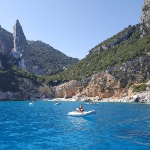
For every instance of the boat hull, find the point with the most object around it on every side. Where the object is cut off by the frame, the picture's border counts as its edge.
(80, 114)
(91, 103)
(58, 103)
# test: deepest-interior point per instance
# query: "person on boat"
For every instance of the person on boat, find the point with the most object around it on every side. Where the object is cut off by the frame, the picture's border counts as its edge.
(81, 108)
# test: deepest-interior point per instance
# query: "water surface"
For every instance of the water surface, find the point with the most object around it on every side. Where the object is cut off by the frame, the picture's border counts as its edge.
(116, 126)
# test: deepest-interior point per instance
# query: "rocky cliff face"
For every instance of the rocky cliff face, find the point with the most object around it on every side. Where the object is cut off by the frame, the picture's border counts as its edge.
(137, 70)
(2, 49)
(145, 18)
(115, 41)
(6, 45)
(114, 82)
(20, 42)
(102, 85)
(68, 90)
(21, 49)
(6, 41)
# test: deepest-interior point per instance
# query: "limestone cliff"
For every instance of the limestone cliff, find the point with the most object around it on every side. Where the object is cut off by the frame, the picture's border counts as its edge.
(21, 50)
(114, 82)
(19, 40)
(145, 18)
(103, 85)
(68, 90)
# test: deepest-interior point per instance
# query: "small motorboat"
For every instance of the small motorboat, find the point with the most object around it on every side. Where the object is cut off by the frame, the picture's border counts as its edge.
(80, 114)
(31, 103)
(57, 103)
(91, 103)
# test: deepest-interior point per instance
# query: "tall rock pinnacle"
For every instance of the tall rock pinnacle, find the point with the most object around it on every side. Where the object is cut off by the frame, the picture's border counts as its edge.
(21, 49)
(19, 40)
(145, 18)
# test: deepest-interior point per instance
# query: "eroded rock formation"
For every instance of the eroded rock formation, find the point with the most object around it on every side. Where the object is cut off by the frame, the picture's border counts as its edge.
(21, 49)
(114, 82)
(145, 18)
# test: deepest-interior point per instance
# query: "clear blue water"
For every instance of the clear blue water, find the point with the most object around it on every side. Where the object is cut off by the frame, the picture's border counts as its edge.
(45, 126)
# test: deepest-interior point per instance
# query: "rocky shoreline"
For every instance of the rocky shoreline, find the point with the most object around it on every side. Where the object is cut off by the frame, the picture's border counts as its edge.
(142, 97)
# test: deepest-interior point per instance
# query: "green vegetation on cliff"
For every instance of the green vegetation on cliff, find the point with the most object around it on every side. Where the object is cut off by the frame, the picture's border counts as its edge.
(44, 57)
(6, 40)
(139, 88)
(118, 52)
(50, 60)
(11, 76)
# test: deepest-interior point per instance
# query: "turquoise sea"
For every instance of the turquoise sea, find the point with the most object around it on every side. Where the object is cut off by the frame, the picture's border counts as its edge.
(45, 126)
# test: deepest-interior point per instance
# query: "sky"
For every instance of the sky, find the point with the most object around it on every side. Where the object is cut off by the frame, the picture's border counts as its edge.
(71, 26)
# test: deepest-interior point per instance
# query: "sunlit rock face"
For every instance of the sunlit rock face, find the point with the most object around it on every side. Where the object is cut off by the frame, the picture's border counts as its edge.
(67, 90)
(20, 44)
(111, 83)
(19, 40)
(145, 18)
(21, 49)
